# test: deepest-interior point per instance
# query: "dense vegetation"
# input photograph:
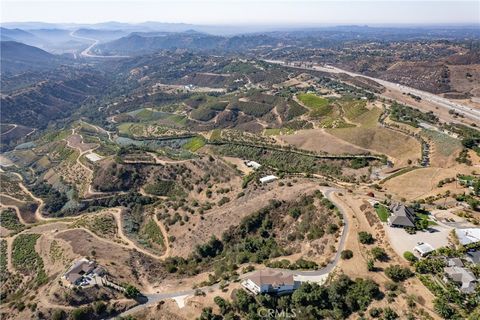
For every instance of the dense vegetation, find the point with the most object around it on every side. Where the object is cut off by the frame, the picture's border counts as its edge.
(54, 200)
(337, 300)
(26, 260)
(411, 116)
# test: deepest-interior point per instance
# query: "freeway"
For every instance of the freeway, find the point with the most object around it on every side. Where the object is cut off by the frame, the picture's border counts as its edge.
(473, 114)
(86, 53)
(319, 275)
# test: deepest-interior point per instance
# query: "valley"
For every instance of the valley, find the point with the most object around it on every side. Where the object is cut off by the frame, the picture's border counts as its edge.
(167, 175)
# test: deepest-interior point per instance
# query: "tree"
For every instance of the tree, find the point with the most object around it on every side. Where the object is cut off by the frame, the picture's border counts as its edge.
(365, 237)
(242, 300)
(379, 254)
(398, 273)
(370, 265)
(58, 314)
(410, 257)
(81, 313)
(222, 304)
(99, 307)
(346, 254)
(389, 314)
(442, 307)
(131, 292)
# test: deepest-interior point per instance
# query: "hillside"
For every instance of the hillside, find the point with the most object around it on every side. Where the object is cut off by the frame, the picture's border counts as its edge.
(18, 57)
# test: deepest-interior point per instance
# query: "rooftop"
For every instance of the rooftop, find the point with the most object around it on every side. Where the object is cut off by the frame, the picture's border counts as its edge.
(467, 236)
(270, 277)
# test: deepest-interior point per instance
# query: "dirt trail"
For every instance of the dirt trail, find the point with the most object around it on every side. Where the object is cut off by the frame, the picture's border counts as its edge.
(118, 219)
(17, 211)
(166, 241)
(10, 267)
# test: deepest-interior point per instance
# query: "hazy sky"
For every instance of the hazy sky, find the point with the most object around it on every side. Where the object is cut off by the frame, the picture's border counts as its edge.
(263, 12)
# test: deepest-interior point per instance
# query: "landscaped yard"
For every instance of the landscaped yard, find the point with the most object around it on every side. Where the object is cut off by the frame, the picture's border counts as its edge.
(382, 212)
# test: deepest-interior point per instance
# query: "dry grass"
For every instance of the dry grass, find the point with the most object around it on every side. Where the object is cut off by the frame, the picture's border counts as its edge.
(398, 146)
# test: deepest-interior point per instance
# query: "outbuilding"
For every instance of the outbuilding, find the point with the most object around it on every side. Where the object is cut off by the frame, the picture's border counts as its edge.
(268, 179)
(423, 249)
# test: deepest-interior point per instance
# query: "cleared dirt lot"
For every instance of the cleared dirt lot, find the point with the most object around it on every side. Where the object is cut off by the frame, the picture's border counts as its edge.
(321, 141)
(401, 241)
(423, 182)
(398, 146)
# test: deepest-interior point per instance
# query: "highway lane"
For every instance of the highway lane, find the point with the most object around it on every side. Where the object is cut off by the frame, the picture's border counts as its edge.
(86, 53)
(473, 114)
(304, 276)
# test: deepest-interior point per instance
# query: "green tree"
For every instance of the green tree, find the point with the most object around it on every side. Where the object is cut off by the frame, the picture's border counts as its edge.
(346, 254)
(410, 257)
(365, 237)
(131, 292)
(398, 273)
(379, 254)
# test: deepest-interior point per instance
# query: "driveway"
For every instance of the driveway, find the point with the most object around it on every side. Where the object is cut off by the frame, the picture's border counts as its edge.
(401, 241)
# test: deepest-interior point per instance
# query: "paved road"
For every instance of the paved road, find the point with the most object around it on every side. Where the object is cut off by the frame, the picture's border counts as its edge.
(86, 53)
(471, 113)
(304, 276)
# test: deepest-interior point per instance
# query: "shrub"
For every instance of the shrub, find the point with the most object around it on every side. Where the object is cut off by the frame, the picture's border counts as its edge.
(410, 257)
(375, 312)
(365, 237)
(379, 254)
(131, 292)
(346, 254)
(398, 273)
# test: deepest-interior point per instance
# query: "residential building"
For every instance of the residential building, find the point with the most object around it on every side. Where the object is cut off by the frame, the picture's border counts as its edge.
(81, 268)
(268, 179)
(463, 277)
(473, 257)
(270, 281)
(468, 236)
(401, 216)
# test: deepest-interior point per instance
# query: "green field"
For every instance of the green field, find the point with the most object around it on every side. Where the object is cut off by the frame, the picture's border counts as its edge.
(152, 232)
(354, 108)
(382, 212)
(194, 144)
(26, 260)
(9, 220)
(318, 106)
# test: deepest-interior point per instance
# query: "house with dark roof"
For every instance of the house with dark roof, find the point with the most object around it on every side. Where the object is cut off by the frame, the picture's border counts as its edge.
(270, 281)
(401, 216)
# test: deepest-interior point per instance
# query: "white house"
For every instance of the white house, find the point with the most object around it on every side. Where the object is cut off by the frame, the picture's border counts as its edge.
(468, 236)
(268, 179)
(270, 281)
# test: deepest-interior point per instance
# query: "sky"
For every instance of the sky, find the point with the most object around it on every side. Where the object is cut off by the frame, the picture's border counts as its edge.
(235, 12)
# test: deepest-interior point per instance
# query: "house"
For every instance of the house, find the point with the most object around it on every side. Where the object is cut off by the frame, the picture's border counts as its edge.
(401, 216)
(473, 257)
(462, 276)
(268, 179)
(455, 262)
(253, 164)
(80, 269)
(423, 249)
(270, 281)
(468, 236)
